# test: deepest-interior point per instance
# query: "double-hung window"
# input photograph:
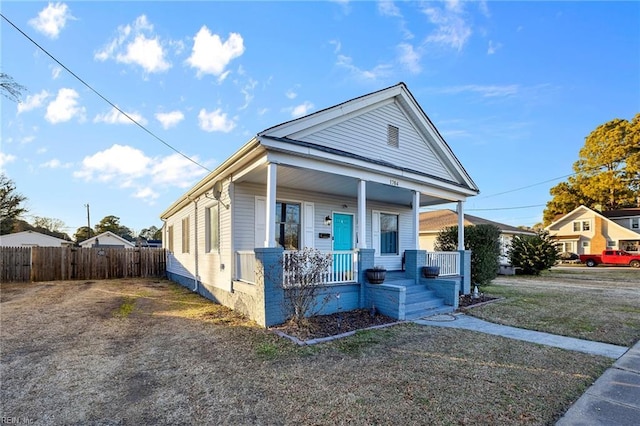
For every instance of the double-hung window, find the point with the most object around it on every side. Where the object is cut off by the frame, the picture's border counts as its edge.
(288, 225)
(388, 233)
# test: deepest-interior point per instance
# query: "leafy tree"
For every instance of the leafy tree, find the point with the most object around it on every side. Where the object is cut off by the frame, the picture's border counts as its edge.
(112, 223)
(533, 253)
(83, 233)
(484, 243)
(11, 204)
(9, 88)
(607, 173)
(151, 233)
(47, 226)
(48, 223)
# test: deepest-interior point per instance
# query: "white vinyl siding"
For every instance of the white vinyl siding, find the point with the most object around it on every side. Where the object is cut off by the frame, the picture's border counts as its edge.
(366, 135)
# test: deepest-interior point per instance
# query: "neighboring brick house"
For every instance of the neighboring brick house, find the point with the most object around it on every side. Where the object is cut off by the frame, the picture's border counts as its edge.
(587, 231)
(432, 222)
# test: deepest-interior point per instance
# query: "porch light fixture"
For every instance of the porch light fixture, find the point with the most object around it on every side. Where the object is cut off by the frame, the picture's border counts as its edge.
(327, 220)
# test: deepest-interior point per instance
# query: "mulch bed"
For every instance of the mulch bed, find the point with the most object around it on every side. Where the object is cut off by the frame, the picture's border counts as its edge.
(331, 325)
(468, 301)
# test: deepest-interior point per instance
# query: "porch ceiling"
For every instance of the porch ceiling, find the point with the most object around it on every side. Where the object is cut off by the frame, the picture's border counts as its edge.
(334, 184)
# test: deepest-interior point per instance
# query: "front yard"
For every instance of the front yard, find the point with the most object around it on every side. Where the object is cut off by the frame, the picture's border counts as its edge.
(151, 352)
(601, 304)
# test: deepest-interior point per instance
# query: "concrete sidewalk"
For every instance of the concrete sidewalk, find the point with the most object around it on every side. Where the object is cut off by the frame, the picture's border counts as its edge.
(614, 399)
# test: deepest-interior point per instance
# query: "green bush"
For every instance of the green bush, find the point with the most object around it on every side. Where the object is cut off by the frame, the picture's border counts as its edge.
(533, 253)
(484, 243)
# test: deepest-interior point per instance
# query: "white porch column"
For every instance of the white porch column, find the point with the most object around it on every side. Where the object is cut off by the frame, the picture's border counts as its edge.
(362, 214)
(460, 226)
(416, 219)
(270, 226)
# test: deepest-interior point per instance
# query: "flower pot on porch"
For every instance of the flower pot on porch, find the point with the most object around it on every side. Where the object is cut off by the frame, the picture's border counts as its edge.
(430, 271)
(376, 275)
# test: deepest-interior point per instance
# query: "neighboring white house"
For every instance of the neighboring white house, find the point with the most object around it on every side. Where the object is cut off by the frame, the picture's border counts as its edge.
(586, 231)
(32, 239)
(107, 240)
(348, 180)
(432, 222)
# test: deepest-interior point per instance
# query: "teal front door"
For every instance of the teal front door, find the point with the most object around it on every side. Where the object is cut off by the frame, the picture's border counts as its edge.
(342, 231)
(342, 241)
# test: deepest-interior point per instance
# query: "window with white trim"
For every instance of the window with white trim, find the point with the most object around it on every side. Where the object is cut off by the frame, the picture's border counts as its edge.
(389, 233)
(288, 225)
(212, 230)
(584, 225)
(635, 222)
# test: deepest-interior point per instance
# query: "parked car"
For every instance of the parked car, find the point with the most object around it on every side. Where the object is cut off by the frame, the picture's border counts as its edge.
(611, 257)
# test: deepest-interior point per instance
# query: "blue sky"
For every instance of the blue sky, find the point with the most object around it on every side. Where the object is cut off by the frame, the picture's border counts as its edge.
(514, 88)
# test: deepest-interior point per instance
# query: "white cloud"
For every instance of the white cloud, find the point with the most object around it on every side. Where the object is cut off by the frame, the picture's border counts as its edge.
(33, 101)
(137, 45)
(129, 168)
(451, 28)
(146, 193)
(388, 8)
(247, 92)
(55, 164)
(493, 47)
(55, 72)
(291, 93)
(485, 91)
(41, 150)
(148, 53)
(175, 170)
(302, 109)
(52, 19)
(409, 58)
(215, 121)
(379, 71)
(169, 119)
(6, 159)
(210, 55)
(64, 107)
(116, 117)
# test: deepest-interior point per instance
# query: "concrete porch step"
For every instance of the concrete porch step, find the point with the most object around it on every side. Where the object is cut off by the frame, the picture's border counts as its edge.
(444, 309)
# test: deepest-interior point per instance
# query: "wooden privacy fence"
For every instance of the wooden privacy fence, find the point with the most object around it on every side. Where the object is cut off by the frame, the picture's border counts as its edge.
(71, 263)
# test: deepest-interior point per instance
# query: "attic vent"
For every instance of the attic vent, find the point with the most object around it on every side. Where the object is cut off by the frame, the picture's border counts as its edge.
(392, 136)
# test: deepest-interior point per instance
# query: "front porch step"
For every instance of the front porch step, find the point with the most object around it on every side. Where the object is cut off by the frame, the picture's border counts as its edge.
(413, 315)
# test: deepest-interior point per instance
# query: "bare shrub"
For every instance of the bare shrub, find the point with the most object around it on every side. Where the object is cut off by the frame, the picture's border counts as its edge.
(303, 271)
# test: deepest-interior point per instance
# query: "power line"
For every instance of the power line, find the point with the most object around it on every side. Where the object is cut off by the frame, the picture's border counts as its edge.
(103, 97)
(506, 208)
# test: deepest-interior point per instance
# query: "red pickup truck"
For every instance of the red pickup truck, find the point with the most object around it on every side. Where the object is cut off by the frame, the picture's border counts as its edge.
(611, 257)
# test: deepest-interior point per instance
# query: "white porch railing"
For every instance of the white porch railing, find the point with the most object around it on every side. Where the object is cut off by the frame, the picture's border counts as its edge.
(343, 268)
(246, 266)
(448, 261)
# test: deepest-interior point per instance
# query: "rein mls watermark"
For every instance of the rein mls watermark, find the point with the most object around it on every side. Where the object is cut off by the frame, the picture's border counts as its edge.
(8, 420)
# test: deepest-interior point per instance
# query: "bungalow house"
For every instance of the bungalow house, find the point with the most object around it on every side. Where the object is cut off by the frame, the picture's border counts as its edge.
(432, 222)
(586, 231)
(32, 239)
(348, 180)
(107, 240)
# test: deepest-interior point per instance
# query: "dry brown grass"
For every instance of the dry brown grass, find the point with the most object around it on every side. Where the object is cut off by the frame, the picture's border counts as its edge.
(70, 356)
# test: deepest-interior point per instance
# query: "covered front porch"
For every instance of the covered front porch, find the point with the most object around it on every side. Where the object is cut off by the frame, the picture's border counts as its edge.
(405, 294)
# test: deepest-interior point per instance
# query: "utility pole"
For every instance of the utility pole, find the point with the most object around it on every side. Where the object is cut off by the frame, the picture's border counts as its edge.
(88, 221)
